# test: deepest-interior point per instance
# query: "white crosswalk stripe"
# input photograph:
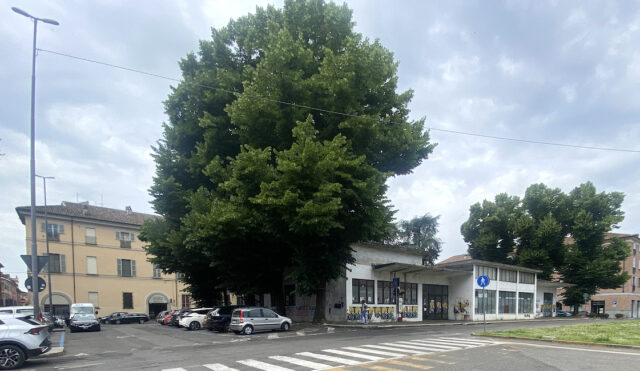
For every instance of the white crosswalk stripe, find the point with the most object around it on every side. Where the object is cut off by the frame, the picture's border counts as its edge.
(263, 365)
(389, 346)
(420, 346)
(476, 341)
(378, 352)
(219, 367)
(431, 343)
(353, 354)
(324, 357)
(301, 362)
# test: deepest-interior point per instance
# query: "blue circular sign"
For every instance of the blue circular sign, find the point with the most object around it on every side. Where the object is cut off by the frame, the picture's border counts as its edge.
(483, 281)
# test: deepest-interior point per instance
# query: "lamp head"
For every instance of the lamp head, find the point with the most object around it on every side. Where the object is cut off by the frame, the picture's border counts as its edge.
(21, 12)
(50, 21)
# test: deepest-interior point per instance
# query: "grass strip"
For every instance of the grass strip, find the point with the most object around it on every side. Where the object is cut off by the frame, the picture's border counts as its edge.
(607, 332)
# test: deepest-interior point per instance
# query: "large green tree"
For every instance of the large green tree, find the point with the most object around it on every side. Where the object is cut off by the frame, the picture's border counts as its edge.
(532, 232)
(274, 160)
(420, 233)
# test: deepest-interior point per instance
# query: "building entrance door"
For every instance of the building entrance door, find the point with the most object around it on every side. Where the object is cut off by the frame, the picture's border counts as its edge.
(435, 302)
(157, 303)
(597, 307)
(547, 308)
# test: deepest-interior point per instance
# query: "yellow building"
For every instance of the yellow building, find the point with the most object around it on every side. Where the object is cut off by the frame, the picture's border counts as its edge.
(96, 257)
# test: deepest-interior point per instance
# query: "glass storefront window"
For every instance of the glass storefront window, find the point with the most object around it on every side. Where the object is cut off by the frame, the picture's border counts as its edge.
(507, 302)
(485, 301)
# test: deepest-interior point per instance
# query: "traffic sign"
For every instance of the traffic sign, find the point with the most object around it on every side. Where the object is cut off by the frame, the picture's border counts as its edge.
(42, 261)
(41, 284)
(483, 281)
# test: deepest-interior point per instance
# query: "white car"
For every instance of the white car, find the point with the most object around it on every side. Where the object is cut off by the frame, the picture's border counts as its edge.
(194, 319)
(21, 338)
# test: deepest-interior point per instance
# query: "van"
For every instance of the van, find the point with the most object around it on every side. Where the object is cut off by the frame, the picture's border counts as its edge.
(82, 308)
(14, 312)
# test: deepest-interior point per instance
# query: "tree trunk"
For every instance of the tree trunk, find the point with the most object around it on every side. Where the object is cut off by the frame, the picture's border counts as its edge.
(318, 316)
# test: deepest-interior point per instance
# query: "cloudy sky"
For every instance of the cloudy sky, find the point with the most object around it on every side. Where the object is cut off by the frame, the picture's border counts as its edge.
(565, 72)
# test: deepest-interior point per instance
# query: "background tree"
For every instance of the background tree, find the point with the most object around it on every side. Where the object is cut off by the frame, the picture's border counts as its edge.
(532, 231)
(247, 168)
(420, 233)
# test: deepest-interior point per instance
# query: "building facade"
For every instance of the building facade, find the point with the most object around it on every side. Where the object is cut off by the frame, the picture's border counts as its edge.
(624, 300)
(10, 293)
(96, 257)
(446, 291)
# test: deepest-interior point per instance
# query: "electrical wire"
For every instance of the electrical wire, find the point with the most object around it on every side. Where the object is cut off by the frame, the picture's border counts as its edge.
(337, 112)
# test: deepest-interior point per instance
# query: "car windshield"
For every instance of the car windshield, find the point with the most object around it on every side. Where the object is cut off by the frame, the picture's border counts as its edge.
(83, 310)
(83, 317)
(25, 311)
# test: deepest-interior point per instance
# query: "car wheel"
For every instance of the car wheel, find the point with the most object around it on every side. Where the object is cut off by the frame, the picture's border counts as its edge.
(247, 330)
(98, 328)
(118, 322)
(141, 321)
(71, 329)
(195, 325)
(285, 326)
(226, 327)
(11, 357)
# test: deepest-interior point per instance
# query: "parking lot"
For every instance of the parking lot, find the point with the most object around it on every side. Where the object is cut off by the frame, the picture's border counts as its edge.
(136, 341)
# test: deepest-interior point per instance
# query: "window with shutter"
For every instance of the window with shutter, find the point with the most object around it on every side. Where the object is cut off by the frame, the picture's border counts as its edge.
(126, 268)
(92, 265)
(120, 267)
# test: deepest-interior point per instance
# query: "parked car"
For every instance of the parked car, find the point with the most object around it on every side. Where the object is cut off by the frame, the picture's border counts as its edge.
(52, 321)
(194, 319)
(562, 313)
(175, 316)
(130, 318)
(252, 319)
(114, 315)
(161, 315)
(84, 322)
(220, 318)
(20, 339)
(167, 318)
(13, 312)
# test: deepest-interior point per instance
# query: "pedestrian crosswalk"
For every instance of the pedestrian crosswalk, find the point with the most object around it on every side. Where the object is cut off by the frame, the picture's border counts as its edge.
(347, 356)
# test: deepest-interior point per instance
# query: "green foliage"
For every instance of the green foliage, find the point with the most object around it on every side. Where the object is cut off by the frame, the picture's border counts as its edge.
(253, 184)
(420, 233)
(532, 232)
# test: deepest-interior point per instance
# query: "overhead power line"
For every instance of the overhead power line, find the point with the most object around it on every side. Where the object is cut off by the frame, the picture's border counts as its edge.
(457, 132)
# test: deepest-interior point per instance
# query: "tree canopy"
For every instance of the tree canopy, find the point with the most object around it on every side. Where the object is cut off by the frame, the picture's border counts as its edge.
(420, 233)
(280, 139)
(533, 232)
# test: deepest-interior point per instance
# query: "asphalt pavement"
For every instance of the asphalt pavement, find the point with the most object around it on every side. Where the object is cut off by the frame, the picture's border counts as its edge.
(439, 347)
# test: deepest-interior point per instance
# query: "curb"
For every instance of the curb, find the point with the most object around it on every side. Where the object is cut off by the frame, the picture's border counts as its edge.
(621, 346)
(444, 323)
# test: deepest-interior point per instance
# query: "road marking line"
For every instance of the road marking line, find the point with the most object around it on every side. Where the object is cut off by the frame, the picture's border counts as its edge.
(381, 368)
(454, 342)
(342, 361)
(420, 345)
(301, 362)
(395, 347)
(351, 354)
(263, 365)
(79, 366)
(470, 340)
(373, 351)
(571, 348)
(434, 344)
(419, 358)
(174, 369)
(219, 367)
(408, 364)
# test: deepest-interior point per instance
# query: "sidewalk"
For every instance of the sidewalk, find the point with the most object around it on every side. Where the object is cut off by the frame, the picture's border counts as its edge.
(438, 323)
(57, 337)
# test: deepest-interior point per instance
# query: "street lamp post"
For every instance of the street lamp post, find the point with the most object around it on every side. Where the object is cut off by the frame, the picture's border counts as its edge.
(34, 244)
(46, 223)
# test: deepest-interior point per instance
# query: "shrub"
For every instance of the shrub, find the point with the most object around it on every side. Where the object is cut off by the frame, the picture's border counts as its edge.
(619, 315)
(592, 315)
(606, 315)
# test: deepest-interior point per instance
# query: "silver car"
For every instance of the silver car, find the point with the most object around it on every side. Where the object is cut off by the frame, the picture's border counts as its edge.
(21, 338)
(252, 319)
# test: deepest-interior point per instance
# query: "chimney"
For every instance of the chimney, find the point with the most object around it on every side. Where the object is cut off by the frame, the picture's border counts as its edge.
(128, 210)
(85, 209)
